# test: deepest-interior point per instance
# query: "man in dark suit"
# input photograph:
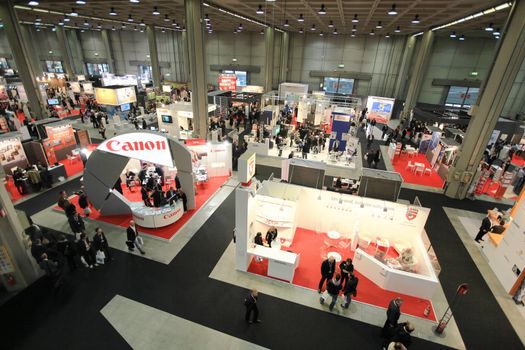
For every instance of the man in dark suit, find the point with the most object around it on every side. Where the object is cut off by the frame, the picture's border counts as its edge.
(402, 334)
(392, 316)
(251, 306)
(327, 271)
(170, 195)
(486, 225)
(133, 241)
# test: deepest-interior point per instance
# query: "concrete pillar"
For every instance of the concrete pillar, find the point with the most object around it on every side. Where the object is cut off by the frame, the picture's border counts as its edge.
(109, 50)
(35, 65)
(20, 54)
(268, 61)
(418, 71)
(153, 55)
(66, 52)
(402, 77)
(195, 44)
(508, 60)
(12, 240)
(285, 48)
(80, 53)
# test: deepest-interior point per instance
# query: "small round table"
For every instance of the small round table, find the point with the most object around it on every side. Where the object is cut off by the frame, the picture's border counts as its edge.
(335, 255)
(333, 235)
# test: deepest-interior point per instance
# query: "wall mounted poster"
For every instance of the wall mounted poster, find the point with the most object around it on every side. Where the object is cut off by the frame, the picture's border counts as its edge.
(11, 151)
(227, 82)
(380, 108)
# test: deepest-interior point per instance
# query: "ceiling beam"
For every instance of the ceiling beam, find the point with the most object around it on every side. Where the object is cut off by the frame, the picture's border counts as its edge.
(371, 13)
(341, 12)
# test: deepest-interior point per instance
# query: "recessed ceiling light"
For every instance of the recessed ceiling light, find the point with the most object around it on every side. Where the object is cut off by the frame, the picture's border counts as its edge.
(155, 11)
(322, 10)
(462, 37)
(379, 25)
(331, 24)
(313, 27)
(112, 12)
(355, 20)
(490, 27)
(300, 18)
(259, 10)
(416, 20)
(73, 13)
(397, 30)
(286, 24)
(130, 19)
(392, 11)
(453, 35)
(33, 3)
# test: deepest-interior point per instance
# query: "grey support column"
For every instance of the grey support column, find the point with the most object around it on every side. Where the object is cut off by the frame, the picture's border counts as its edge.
(418, 72)
(402, 77)
(508, 60)
(35, 65)
(153, 55)
(197, 65)
(14, 37)
(285, 48)
(78, 46)
(66, 52)
(268, 61)
(109, 50)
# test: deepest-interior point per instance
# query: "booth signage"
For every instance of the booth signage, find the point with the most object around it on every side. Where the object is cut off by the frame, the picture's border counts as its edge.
(227, 82)
(411, 213)
(144, 146)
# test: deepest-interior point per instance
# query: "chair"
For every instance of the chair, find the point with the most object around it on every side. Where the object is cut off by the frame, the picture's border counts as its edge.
(428, 171)
(420, 170)
(410, 166)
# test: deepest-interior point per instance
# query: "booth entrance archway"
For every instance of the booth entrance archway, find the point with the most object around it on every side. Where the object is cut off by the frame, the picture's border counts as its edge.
(106, 163)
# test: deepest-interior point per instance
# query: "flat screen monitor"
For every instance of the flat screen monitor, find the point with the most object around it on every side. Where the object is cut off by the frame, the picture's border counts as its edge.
(125, 107)
(52, 101)
(167, 119)
(330, 84)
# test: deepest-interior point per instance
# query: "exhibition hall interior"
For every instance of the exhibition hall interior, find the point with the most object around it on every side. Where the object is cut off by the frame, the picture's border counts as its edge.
(262, 174)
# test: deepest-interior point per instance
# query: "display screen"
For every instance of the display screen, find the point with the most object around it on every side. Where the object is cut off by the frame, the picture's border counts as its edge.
(241, 75)
(52, 101)
(335, 85)
(167, 119)
(125, 107)
(346, 86)
(461, 96)
(471, 97)
(330, 85)
(381, 107)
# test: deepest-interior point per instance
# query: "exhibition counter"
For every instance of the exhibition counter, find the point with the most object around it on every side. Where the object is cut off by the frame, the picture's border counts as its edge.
(151, 217)
(281, 264)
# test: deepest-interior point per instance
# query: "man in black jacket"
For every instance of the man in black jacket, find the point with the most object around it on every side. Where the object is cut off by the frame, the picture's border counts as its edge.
(251, 306)
(486, 225)
(77, 224)
(333, 287)
(402, 334)
(392, 316)
(327, 271)
(350, 290)
(346, 268)
(133, 241)
(101, 243)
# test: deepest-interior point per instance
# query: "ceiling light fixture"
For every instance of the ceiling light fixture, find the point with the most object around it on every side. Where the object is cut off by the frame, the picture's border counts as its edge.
(38, 19)
(416, 20)
(322, 10)
(142, 30)
(155, 11)
(130, 19)
(331, 24)
(372, 32)
(462, 37)
(387, 35)
(397, 30)
(300, 18)
(37, 29)
(490, 27)
(66, 19)
(259, 10)
(355, 20)
(86, 23)
(321, 34)
(354, 29)
(174, 23)
(113, 28)
(99, 26)
(134, 1)
(112, 12)
(301, 31)
(453, 35)
(313, 28)
(496, 36)
(496, 32)
(240, 27)
(335, 31)
(392, 11)
(60, 22)
(490, 10)
(80, 2)
(142, 23)
(206, 18)
(33, 3)
(261, 32)
(163, 30)
(352, 35)
(123, 26)
(73, 13)
(286, 24)
(379, 25)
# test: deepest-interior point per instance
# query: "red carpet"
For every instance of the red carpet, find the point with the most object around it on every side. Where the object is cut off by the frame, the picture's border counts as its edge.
(313, 250)
(204, 192)
(400, 165)
(517, 161)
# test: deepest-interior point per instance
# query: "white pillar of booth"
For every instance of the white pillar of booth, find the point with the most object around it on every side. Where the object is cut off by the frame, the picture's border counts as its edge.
(243, 205)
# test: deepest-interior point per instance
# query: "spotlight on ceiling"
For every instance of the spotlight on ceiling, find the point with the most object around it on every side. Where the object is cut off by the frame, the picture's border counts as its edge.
(392, 11)
(155, 11)
(397, 30)
(355, 20)
(112, 12)
(416, 20)
(379, 25)
(259, 11)
(462, 37)
(322, 10)
(453, 35)
(300, 18)
(490, 27)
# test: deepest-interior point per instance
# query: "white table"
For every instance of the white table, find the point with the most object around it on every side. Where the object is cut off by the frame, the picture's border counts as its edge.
(333, 235)
(419, 167)
(335, 255)
(281, 264)
(151, 217)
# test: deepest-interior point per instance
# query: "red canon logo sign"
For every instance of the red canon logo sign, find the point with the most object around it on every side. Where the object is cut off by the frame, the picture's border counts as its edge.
(115, 146)
(172, 214)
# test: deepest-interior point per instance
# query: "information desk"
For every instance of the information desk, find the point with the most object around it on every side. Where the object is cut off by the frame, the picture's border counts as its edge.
(391, 279)
(151, 217)
(281, 264)
(56, 171)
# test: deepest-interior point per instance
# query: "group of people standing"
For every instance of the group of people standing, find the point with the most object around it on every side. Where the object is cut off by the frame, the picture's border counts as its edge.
(345, 281)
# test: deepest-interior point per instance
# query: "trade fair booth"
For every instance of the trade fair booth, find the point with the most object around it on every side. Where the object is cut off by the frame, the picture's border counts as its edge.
(380, 108)
(177, 119)
(385, 239)
(116, 100)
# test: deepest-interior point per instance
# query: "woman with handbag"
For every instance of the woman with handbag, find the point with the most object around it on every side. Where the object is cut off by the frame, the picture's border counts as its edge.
(350, 290)
(100, 244)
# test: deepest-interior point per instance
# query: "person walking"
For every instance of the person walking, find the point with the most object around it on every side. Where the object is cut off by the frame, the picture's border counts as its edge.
(85, 251)
(251, 306)
(327, 271)
(77, 224)
(376, 158)
(102, 131)
(369, 140)
(333, 287)
(350, 290)
(100, 243)
(83, 202)
(134, 241)
(392, 316)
